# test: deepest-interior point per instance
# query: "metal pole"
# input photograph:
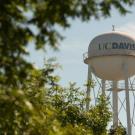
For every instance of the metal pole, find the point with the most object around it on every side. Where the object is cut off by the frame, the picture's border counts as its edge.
(103, 87)
(88, 88)
(115, 104)
(127, 101)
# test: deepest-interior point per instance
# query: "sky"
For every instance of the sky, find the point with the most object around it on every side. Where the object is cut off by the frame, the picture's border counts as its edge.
(76, 42)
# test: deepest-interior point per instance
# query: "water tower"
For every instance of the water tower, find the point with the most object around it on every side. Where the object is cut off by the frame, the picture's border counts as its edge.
(111, 60)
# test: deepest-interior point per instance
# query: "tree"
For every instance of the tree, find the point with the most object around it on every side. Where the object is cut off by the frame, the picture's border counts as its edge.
(31, 101)
(43, 107)
(120, 130)
(18, 18)
(49, 109)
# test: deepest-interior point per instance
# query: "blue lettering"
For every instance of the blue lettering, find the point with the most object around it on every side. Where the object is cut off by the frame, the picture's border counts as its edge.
(121, 46)
(114, 45)
(126, 46)
(133, 46)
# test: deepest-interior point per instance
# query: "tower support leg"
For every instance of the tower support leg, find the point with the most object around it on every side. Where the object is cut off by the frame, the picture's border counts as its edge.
(128, 107)
(103, 87)
(88, 88)
(127, 100)
(115, 104)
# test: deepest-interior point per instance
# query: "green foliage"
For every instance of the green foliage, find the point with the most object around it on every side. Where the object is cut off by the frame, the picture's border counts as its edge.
(120, 130)
(99, 116)
(36, 20)
(43, 107)
(31, 101)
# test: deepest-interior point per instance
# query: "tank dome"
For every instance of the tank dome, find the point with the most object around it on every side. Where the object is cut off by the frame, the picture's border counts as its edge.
(108, 54)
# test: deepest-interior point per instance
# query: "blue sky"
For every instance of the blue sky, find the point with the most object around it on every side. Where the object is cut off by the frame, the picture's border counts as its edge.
(77, 39)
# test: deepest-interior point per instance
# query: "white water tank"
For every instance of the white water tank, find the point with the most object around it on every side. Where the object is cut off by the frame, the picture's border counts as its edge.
(109, 53)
